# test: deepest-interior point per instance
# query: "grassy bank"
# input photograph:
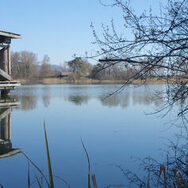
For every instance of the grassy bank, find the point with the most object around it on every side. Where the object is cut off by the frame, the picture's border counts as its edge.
(93, 81)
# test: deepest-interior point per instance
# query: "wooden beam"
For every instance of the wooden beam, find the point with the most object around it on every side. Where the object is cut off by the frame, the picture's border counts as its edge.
(9, 104)
(4, 76)
(8, 85)
(11, 153)
(10, 35)
(5, 113)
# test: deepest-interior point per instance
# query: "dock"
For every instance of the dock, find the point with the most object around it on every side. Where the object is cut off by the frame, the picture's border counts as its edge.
(6, 82)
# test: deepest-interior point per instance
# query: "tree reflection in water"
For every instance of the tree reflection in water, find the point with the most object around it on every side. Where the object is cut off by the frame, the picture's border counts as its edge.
(122, 100)
(29, 97)
(46, 96)
(134, 96)
(78, 100)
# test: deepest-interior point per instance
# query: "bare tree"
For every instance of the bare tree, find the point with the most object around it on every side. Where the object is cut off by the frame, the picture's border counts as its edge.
(16, 69)
(156, 42)
(29, 64)
(115, 72)
(45, 70)
(24, 65)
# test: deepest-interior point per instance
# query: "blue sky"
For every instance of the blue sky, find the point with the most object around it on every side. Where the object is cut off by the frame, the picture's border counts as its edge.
(59, 28)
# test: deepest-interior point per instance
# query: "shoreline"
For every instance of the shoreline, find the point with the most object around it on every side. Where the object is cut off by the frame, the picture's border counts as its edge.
(48, 81)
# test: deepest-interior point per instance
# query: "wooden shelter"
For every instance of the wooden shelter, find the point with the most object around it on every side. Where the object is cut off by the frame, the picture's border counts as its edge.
(6, 82)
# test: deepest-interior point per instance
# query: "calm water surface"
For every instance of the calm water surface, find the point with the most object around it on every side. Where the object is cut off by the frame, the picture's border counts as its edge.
(116, 132)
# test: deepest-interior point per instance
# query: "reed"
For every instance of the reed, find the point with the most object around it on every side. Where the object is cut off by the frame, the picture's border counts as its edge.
(89, 169)
(148, 181)
(38, 182)
(28, 176)
(51, 181)
(51, 176)
(37, 168)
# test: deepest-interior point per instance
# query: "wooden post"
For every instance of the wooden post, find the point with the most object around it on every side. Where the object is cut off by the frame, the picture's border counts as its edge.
(5, 93)
(1, 58)
(9, 126)
(5, 59)
(5, 124)
(6, 129)
(9, 60)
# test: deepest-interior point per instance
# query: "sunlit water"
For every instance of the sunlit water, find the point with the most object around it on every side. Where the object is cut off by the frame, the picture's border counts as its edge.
(115, 130)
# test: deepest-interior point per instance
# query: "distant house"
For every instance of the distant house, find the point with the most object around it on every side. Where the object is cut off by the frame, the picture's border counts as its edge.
(64, 74)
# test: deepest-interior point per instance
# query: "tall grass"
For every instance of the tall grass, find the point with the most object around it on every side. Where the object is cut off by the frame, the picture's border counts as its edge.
(91, 178)
(89, 169)
(51, 181)
(37, 168)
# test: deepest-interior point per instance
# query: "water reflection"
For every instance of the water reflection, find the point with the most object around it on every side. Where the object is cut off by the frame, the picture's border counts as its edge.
(122, 100)
(28, 102)
(78, 99)
(6, 149)
(112, 134)
(172, 171)
(147, 97)
(27, 98)
(79, 95)
(46, 96)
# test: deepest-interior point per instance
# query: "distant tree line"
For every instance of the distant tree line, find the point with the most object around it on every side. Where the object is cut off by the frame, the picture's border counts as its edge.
(26, 66)
(122, 71)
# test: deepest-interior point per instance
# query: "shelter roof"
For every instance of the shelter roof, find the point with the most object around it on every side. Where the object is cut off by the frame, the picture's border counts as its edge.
(6, 34)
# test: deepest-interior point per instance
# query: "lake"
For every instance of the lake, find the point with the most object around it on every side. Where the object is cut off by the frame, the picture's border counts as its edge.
(118, 131)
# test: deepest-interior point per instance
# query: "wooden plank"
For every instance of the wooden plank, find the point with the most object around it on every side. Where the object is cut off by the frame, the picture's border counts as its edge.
(9, 82)
(9, 85)
(9, 104)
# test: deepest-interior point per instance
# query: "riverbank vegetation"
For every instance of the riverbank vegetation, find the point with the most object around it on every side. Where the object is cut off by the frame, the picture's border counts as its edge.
(28, 69)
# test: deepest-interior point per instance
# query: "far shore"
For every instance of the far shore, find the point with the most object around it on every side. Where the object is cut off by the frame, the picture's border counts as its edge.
(92, 81)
